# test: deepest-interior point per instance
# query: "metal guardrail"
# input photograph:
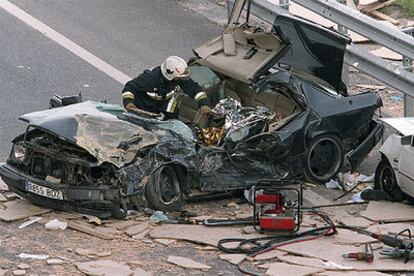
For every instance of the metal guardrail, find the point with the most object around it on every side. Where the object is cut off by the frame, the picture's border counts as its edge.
(392, 75)
(360, 23)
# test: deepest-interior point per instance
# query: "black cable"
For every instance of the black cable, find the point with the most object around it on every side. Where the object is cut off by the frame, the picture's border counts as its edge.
(256, 246)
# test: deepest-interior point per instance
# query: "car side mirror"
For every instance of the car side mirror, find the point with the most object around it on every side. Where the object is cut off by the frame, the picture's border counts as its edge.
(59, 101)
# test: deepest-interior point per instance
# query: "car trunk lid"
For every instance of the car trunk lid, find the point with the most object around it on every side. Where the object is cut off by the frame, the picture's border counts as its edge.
(245, 53)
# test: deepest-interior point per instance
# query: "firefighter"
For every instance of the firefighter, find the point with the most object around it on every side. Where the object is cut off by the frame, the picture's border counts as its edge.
(154, 92)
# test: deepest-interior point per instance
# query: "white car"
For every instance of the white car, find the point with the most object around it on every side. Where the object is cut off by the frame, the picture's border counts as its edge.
(395, 173)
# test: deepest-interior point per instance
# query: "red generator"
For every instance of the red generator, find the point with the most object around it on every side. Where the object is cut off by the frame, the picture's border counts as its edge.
(277, 206)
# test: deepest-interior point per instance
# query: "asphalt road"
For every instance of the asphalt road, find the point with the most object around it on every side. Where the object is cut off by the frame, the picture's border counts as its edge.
(130, 35)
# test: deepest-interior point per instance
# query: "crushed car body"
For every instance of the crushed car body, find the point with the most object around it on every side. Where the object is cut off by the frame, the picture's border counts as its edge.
(280, 111)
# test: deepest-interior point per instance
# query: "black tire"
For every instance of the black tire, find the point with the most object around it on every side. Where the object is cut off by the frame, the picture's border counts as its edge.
(386, 181)
(163, 191)
(324, 158)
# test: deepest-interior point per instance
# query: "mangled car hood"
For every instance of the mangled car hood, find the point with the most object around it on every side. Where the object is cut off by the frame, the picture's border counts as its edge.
(99, 132)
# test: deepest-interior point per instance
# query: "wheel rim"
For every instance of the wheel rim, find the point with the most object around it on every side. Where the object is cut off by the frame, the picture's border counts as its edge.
(168, 186)
(388, 181)
(324, 159)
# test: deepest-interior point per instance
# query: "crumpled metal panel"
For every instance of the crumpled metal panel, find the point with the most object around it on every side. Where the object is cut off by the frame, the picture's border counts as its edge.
(247, 153)
(95, 127)
(114, 141)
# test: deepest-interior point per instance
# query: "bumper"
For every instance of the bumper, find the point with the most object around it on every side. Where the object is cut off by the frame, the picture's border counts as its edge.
(356, 156)
(100, 202)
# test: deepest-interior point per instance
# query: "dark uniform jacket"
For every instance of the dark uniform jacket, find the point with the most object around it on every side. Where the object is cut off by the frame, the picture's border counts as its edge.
(152, 92)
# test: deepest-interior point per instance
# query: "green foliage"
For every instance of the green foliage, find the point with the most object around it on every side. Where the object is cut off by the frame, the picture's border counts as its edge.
(408, 6)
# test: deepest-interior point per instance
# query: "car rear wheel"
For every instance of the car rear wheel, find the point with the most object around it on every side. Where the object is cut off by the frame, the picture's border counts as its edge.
(324, 158)
(386, 181)
(163, 191)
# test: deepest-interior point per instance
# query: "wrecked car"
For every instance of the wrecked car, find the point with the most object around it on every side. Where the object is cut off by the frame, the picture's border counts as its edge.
(394, 174)
(281, 111)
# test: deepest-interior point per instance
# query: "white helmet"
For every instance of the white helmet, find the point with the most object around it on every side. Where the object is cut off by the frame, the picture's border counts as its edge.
(174, 67)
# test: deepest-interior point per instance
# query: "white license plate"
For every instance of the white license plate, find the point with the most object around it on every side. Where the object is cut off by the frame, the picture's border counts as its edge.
(43, 191)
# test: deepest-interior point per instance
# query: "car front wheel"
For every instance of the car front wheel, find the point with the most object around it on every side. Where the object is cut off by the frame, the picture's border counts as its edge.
(324, 158)
(386, 181)
(163, 191)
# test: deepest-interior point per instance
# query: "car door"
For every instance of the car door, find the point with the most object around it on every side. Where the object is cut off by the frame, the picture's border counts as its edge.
(406, 168)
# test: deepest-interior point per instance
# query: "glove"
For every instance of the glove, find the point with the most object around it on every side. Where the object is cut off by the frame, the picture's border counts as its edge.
(205, 109)
(161, 116)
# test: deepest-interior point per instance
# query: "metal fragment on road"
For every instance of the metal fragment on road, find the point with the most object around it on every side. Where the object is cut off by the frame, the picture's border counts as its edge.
(104, 268)
(33, 256)
(29, 222)
(186, 263)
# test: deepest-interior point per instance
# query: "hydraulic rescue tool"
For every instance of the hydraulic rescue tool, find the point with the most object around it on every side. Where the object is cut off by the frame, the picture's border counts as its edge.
(277, 206)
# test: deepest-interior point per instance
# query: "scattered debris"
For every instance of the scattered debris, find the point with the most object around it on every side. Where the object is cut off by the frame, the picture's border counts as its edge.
(371, 87)
(396, 98)
(140, 272)
(269, 255)
(55, 224)
(233, 204)
(120, 225)
(3, 198)
(90, 230)
(375, 6)
(387, 54)
(391, 228)
(385, 17)
(11, 195)
(140, 236)
(33, 256)
(356, 222)
(248, 230)
(388, 211)
(197, 233)
(19, 272)
(3, 186)
(186, 263)
(136, 229)
(158, 216)
(297, 260)
(333, 256)
(232, 258)
(357, 197)
(94, 220)
(23, 266)
(85, 252)
(55, 261)
(333, 265)
(351, 273)
(20, 209)
(104, 268)
(291, 270)
(29, 222)
(333, 184)
(165, 242)
(91, 253)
